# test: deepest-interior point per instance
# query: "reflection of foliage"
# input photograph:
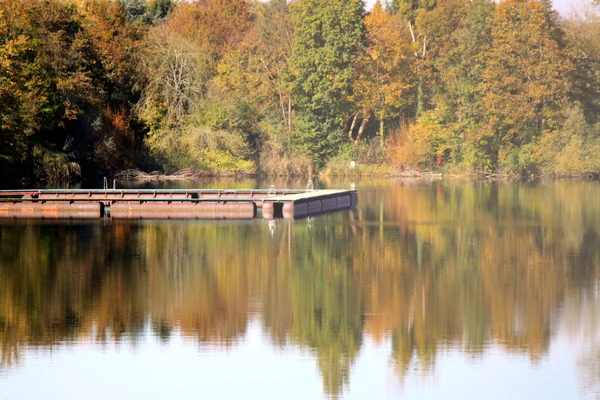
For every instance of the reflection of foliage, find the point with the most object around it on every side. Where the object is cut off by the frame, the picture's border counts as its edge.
(327, 314)
(430, 265)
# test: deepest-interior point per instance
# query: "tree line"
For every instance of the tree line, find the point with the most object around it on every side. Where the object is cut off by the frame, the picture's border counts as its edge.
(91, 87)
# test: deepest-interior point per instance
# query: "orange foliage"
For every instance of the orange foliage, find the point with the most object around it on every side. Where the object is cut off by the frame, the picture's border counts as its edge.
(524, 80)
(217, 25)
(385, 71)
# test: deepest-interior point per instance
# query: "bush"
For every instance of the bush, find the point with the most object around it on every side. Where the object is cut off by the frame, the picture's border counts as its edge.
(425, 144)
(54, 167)
(201, 150)
(275, 161)
(572, 150)
(365, 158)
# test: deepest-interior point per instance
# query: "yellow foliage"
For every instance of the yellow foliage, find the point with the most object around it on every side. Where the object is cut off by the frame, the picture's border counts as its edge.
(202, 149)
(571, 150)
(424, 143)
(385, 71)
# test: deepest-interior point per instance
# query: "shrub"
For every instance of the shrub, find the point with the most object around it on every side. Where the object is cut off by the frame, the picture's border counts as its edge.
(54, 167)
(572, 150)
(201, 150)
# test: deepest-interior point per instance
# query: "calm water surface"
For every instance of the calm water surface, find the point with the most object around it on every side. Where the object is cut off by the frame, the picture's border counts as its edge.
(427, 290)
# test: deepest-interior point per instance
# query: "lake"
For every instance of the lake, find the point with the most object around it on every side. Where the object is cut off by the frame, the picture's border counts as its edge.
(428, 289)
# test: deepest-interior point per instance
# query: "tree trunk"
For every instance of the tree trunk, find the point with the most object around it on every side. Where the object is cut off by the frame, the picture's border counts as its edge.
(290, 113)
(417, 57)
(352, 126)
(361, 129)
(282, 108)
(412, 33)
(420, 96)
(381, 130)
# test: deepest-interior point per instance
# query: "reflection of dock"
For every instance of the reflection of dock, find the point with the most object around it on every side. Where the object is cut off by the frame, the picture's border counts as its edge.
(172, 204)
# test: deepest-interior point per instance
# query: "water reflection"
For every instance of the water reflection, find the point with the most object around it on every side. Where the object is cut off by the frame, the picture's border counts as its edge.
(425, 267)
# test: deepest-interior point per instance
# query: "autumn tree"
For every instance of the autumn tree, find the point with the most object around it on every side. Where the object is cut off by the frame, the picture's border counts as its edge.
(436, 27)
(115, 42)
(526, 82)
(257, 68)
(17, 102)
(582, 31)
(256, 76)
(457, 101)
(180, 101)
(447, 45)
(385, 72)
(216, 26)
(44, 84)
(183, 56)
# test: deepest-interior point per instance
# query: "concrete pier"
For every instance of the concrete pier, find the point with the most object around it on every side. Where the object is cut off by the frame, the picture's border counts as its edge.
(306, 204)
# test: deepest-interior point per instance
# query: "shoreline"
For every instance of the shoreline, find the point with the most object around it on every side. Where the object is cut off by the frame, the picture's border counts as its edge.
(155, 176)
(369, 172)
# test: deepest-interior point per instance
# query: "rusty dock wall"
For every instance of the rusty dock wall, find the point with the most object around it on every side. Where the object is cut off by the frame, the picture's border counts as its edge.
(171, 204)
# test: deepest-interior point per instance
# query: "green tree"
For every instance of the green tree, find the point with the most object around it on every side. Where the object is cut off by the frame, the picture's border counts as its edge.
(459, 98)
(413, 11)
(329, 35)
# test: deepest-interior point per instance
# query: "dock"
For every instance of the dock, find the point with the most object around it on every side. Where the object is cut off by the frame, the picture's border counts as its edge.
(172, 203)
